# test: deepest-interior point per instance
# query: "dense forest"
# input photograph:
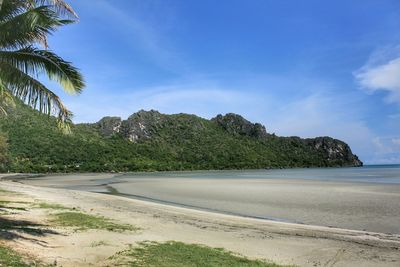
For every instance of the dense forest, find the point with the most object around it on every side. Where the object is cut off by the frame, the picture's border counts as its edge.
(151, 141)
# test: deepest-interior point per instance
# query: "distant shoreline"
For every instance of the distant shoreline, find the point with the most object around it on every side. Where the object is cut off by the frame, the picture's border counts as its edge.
(30, 175)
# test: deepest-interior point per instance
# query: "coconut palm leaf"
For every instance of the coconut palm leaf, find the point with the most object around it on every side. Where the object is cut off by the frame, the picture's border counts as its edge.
(29, 27)
(33, 93)
(10, 8)
(60, 6)
(23, 24)
(32, 61)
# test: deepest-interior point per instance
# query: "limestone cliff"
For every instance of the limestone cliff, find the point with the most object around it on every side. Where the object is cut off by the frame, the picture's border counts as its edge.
(182, 128)
(236, 124)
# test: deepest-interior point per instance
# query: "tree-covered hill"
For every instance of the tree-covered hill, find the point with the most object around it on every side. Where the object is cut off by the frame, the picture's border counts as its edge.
(149, 140)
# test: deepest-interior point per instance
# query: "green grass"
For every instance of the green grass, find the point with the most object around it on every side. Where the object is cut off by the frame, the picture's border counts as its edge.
(82, 221)
(177, 254)
(10, 258)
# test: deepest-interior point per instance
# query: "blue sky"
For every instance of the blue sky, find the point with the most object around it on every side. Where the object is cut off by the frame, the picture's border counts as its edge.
(306, 68)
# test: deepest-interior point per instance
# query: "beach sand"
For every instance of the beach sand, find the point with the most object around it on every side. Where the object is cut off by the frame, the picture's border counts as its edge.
(285, 243)
(371, 207)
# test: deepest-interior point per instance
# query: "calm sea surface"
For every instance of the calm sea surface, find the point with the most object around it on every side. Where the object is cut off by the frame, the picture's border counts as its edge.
(388, 174)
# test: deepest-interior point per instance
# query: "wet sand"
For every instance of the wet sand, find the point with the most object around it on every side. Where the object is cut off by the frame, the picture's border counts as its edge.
(351, 205)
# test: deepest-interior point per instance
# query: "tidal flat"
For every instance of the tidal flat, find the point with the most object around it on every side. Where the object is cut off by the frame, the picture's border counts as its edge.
(366, 199)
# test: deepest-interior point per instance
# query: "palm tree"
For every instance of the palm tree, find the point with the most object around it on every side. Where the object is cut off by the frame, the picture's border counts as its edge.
(24, 26)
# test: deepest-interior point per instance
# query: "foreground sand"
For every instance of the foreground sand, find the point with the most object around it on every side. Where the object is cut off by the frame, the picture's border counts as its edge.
(280, 242)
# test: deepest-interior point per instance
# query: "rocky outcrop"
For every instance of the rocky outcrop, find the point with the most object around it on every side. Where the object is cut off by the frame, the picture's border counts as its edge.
(139, 126)
(109, 126)
(144, 125)
(334, 150)
(236, 124)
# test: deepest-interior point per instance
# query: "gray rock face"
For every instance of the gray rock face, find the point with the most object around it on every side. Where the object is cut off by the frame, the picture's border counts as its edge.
(110, 125)
(139, 126)
(334, 150)
(236, 124)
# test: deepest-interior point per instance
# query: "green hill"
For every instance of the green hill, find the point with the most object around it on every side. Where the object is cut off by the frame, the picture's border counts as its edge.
(149, 140)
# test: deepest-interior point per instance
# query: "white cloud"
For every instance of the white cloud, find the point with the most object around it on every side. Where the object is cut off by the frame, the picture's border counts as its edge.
(381, 77)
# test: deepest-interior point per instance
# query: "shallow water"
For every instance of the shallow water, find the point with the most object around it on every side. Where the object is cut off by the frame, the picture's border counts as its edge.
(388, 174)
(365, 198)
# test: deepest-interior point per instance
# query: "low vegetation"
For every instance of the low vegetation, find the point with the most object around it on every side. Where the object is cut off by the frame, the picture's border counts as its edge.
(4, 161)
(35, 145)
(82, 221)
(178, 254)
(10, 258)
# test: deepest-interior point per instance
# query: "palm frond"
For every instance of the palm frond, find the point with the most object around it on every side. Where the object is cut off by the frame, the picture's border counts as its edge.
(33, 61)
(60, 6)
(35, 94)
(6, 99)
(29, 27)
(11, 8)
(24, 24)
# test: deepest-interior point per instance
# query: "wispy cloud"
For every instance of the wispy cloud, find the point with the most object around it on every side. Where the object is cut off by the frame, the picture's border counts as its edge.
(324, 114)
(317, 113)
(205, 99)
(381, 73)
(138, 30)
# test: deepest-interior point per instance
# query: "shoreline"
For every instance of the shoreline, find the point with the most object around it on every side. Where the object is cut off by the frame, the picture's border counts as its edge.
(281, 242)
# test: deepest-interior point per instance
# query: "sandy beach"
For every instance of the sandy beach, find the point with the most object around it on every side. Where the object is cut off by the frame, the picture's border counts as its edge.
(284, 243)
(368, 206)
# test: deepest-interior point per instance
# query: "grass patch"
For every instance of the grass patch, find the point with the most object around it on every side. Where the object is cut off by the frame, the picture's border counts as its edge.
(44, 205)
(10, 258)
(178, 254)
(82, 221)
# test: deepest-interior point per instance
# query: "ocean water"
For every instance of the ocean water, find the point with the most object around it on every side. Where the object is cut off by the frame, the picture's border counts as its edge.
(386, 174)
